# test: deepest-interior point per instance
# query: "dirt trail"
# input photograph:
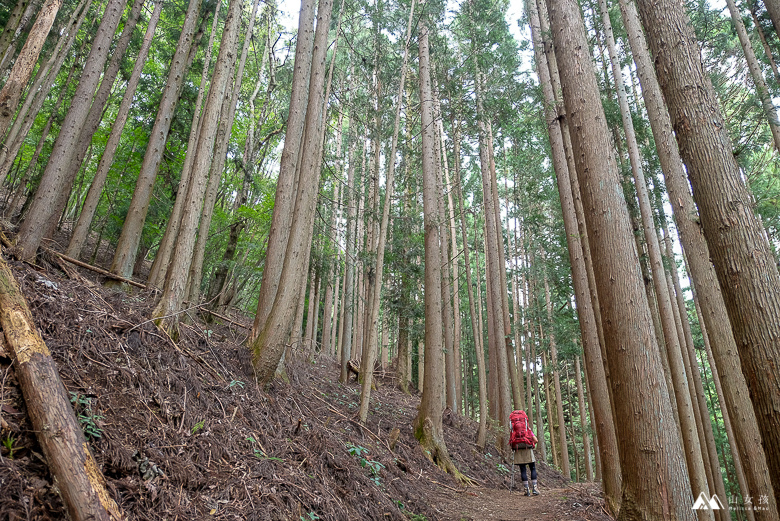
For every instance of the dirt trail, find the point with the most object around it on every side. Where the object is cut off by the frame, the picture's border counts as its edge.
(577, 502)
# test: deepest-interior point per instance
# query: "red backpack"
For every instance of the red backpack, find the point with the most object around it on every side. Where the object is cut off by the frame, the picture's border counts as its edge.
(521, 436)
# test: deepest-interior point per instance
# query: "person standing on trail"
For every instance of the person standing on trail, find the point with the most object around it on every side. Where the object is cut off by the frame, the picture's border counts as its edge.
(522, 440)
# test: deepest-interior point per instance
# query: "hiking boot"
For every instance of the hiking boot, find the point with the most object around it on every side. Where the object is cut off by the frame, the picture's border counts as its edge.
(528, 491)
(536, 491)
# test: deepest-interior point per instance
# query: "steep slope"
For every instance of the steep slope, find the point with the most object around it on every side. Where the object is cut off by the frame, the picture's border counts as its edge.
(181, 431)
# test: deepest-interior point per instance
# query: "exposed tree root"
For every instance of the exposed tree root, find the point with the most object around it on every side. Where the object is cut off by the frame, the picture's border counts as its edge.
(434, 448)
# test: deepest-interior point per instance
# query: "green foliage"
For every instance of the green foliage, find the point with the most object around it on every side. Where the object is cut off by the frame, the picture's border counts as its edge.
(9, 443)
(197, 427)
(85, 415)
(361, 453)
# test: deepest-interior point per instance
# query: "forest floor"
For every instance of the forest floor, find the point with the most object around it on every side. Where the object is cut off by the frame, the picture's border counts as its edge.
(181, 431)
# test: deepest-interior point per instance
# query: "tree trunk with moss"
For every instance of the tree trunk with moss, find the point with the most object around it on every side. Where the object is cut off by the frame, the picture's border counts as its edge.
(428, 424)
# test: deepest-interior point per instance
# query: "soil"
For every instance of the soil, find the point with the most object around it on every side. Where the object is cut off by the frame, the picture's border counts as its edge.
(181, 431)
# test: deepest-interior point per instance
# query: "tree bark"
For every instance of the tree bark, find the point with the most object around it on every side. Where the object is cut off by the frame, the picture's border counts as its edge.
(739, 248)
(583, 420)
(227, 114)
(76, 474)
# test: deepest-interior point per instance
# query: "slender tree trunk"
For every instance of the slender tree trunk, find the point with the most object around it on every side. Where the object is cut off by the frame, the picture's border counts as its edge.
(345, 335)
(564, 446)
(227, 114)
(630, 341)
(166, 312)
(583, 420)
(739, 248)
(13, 26)
(428, 424)
(81, 230)
(376, 288)
(130, 237)
(755, 70)
(159, 269)
(496, 342)
(475, 318)
(25, 63)
(760, 31)
(41, 86)
(43, 211)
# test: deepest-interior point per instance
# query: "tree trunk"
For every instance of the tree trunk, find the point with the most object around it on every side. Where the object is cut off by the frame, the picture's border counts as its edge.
(91, 124)
(755, 70)
(43, 211)
(599, 390)
(739, 248)
(428, 424)
(269, 344)
(42, 84)
(674, 343)
(77, 476)
(345, 335)
(369, 359)
(25, 63)
(132, 228)
(13, 26)
(81, 230)
(583, 420)
(707, 289)
(564, 445)
(496, 341)
(762, 36)
(159, 269)
(227, 113)
(166, 311)
(630, 341)
(284, 201)
(476, 328)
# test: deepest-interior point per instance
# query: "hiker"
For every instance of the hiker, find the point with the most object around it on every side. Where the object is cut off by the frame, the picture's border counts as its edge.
(522, 440)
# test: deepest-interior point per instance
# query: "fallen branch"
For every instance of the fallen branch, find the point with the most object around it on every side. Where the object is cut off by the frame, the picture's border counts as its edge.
(76, 474)
(222, 317)
(94, 268)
